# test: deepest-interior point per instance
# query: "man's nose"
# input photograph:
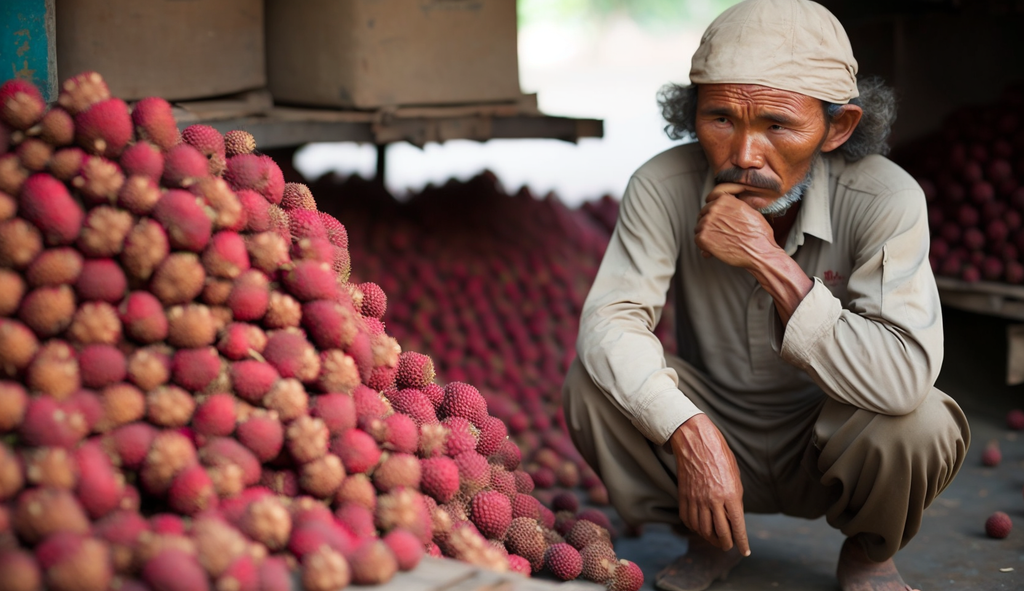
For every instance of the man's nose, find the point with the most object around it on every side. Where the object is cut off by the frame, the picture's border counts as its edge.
(746, 152)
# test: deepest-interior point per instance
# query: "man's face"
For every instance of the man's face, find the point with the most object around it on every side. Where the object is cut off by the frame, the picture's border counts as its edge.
(760, 137)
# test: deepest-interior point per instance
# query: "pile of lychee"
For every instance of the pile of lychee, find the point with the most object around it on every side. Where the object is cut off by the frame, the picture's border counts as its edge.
(972, 173)
(492, 284)
(193, 393)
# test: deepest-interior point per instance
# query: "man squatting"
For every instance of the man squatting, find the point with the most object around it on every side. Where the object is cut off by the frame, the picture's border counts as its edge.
(811, 329)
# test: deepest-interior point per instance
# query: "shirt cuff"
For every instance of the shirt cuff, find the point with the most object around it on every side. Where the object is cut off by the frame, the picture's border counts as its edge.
(662, 414)
(813, 318)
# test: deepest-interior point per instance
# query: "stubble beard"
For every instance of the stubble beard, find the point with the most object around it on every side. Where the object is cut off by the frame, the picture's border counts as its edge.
(781, 205)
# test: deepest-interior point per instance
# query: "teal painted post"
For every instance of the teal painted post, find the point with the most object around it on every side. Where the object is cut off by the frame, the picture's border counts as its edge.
(28, 48)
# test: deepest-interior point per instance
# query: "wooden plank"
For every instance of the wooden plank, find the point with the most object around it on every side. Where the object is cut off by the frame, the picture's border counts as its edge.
(28, 48)
(983, 297)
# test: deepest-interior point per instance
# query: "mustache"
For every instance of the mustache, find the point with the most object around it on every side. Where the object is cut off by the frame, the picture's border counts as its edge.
(747, 177)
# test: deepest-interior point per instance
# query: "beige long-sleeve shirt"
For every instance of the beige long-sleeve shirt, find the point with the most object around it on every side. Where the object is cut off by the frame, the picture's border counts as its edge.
(868, 334)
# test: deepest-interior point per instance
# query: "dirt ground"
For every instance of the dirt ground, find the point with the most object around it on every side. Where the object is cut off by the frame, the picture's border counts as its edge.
(951, 551)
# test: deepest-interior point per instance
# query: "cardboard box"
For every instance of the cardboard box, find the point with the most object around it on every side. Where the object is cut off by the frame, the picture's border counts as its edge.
(176, 49)
(372, 53)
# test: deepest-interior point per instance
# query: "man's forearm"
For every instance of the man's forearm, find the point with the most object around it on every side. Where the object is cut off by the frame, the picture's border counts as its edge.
(783, 279)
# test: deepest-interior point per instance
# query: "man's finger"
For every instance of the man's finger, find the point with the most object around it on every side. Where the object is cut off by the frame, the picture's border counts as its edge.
(739, 527)
(722, 528)
(733, 189)
(707, 526)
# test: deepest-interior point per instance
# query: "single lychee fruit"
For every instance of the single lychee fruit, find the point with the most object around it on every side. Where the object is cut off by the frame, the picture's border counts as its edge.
(491, 513)
(191, 491)
(145, 248)
(142, 159)
(20, 242)
(130, 443)
(266, 520)
(154, 121)
(21, 571)
(463, 400)
(99, 484)
(357, 450)
(21, 104)
(508, 455)
(241, 341)
(99, 181)
(73, 562)
(194, 369)
(238, 142)
(101, 280)
(104, 128)
(252, 379)
(142, 316)
(54, 370)
(46, 203)
(39, 512)
(66, 163)
(263, 434)
(179, 279)
(172, 569)
(325, 570)
(81, 91)
(292, 356)
(182, 215)
(210, 143)
(991, 456)
(337, 411)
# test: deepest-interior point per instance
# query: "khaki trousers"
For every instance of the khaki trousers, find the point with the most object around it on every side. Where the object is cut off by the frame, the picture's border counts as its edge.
(867, 473)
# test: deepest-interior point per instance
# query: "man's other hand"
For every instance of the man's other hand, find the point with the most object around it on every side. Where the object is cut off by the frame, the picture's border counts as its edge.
(731, 230)
(710, 491)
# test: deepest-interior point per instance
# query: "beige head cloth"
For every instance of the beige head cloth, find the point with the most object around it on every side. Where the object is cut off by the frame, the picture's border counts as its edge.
(794, 45)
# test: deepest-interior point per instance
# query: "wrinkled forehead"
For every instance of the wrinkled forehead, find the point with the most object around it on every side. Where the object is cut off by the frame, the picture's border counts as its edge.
(756, 100)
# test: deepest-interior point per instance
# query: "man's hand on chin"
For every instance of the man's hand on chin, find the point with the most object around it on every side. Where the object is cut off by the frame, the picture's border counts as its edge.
(731, 230)
(710, 491)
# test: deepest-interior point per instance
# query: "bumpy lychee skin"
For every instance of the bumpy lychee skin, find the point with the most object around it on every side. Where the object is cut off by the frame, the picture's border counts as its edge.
(563, 561)
(337, 411)
(142, 317)
(414, 403)
(238, 142)
(415, 370)
(101, 365)
(54, 371)
(330, 325)
(81, 91)
(154, 121)
(18, 345)
(357, 450)
(104, 128)
(178, 279)
(34, 154)
(325, 570)
(210, 143)
(268, 251)
(100, 485)
(336, 231)
(104, 232)
(21, 571)
(463, 400)
(373, 563)
(182, 215)
(309, 280)
(98, 181)
(194, 369)
(292, 356)
(21, 104)
(183, 166)
(226, 256)
(12, 288)
(46, 203)
(297, 196)
(474, 472)
(585, 532)
(39, 512)
(525, 537)
(998, 525)
(145, 248)
(101, 280)
(73, 562)
(48, 311)
(491, 513)
(173, 569)
(493, 434)
(66, 163)
(130, 443)
(375, 301)
(20, 242)
(170, 453)
(628, 577)
(407, 549)
(191, 491)
(169, 406)
(142, 159)
(461, 437)
(262, 434)
(190, 326)
(13, 402)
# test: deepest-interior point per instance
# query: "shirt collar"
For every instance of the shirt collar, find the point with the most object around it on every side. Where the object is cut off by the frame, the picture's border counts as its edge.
(814, 217)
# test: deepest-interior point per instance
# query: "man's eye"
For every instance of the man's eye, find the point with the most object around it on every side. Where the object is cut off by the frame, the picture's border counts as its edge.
(776, 127)
(721, 120)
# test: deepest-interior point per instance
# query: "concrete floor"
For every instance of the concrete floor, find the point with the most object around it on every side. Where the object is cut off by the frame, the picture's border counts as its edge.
(951, 551)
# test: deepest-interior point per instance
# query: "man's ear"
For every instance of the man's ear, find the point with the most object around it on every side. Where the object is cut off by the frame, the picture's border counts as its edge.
(842, 126)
